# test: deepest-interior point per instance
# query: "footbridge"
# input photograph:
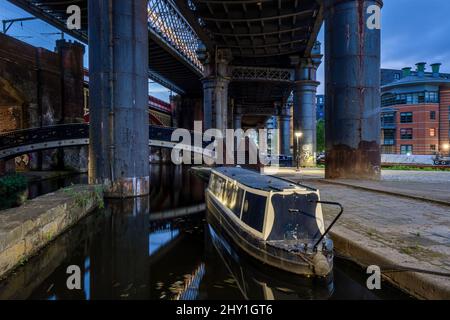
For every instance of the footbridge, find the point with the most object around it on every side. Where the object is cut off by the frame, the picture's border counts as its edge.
(16, 143)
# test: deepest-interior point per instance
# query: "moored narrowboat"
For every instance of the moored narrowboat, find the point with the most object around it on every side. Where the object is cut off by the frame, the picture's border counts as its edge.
(273, 220)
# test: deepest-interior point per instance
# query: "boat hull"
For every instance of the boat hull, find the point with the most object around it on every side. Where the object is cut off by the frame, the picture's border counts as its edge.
(296, 263)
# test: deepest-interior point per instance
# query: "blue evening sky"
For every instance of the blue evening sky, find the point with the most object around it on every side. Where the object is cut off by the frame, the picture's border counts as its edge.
(412, 31)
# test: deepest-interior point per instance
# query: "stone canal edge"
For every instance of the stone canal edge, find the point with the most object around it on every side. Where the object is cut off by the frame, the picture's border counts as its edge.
(361, 251)
(27, 229)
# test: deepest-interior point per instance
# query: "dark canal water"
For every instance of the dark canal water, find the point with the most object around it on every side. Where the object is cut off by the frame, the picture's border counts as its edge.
(139, 249)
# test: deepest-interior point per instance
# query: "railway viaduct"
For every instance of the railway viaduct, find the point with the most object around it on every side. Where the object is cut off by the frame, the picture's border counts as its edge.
(232, 63)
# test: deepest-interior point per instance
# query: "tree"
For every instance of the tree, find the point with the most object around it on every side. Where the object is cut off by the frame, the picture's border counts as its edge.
(320, 136)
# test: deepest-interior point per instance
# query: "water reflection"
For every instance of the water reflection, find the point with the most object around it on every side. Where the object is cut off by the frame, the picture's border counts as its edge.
(160, 247)
(41, 187)
(255, 282)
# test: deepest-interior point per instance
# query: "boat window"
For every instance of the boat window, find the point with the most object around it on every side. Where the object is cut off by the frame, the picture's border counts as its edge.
(236, 201)
(254, 211)
(212, 182)
(217, 186)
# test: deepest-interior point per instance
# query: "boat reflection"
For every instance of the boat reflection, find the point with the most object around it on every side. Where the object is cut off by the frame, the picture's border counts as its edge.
(254, 280)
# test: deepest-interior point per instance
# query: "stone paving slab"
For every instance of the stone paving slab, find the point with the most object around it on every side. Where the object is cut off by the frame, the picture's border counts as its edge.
(426, 191)
(382, 229)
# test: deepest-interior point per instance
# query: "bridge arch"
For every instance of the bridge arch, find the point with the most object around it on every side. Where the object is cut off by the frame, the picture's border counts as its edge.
(19, 142)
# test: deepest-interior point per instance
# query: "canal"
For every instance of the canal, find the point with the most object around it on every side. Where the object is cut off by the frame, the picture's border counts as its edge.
(162, 247)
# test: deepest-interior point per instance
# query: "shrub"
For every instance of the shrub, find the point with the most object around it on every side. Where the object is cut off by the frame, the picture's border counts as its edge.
(10, 188)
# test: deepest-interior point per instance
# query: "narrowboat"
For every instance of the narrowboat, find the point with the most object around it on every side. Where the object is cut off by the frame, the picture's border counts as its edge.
(275, 221)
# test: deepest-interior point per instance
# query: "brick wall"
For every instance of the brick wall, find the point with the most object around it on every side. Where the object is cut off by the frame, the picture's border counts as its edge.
(444, 116)
(422, 125)
(39, 87)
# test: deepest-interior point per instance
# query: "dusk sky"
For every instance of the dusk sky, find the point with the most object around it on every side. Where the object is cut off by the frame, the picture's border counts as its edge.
(412, 31)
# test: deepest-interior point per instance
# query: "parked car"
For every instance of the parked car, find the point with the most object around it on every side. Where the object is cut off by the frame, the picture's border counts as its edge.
(320, 159)
(441, 160)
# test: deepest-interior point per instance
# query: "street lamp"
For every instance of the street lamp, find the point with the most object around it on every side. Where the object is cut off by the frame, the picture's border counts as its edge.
(298, 135)
(446, 147)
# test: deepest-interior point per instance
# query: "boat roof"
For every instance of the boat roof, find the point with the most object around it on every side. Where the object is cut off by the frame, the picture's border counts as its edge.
(256, 180)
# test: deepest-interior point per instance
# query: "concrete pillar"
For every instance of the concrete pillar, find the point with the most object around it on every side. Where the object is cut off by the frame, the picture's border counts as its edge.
(352, 75)
(118, 54)
(284, 124)
(304, 99)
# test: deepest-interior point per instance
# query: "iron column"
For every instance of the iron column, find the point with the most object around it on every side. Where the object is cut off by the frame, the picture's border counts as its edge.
(284, 123)
(352, 76)
(237, 120)
(305, 122)
(118, 54)
(215, 87)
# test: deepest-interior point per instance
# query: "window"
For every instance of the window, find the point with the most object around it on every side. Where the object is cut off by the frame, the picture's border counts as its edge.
(396, 76)
(389, 137)
(432, 132)
(253, 211)
(387, 118)
(406, 134)
(432, 147)
(432, 115)
(236, 201)
(406, 149)
(390, 99)
(406, 117)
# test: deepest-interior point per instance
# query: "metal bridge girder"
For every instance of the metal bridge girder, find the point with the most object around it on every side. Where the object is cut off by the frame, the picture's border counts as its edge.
(167, 27)
(240, 73)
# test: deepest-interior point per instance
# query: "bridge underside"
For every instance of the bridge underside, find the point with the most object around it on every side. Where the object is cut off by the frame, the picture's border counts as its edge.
(262, 34)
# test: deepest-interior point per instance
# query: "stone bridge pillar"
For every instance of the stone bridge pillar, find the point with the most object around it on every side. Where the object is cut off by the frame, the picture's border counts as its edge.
(284, 125)
(352, 76)
(118, 53)
(305, 90)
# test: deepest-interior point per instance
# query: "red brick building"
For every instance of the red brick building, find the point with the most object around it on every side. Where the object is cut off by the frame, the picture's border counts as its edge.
(415, 112)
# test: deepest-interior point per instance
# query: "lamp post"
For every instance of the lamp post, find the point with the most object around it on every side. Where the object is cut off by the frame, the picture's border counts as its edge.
(446, 148)
(298, 135)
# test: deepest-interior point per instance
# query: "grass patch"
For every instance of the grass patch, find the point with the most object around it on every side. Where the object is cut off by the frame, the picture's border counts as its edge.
(82, 197)
(411, 249)
(413, 168)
